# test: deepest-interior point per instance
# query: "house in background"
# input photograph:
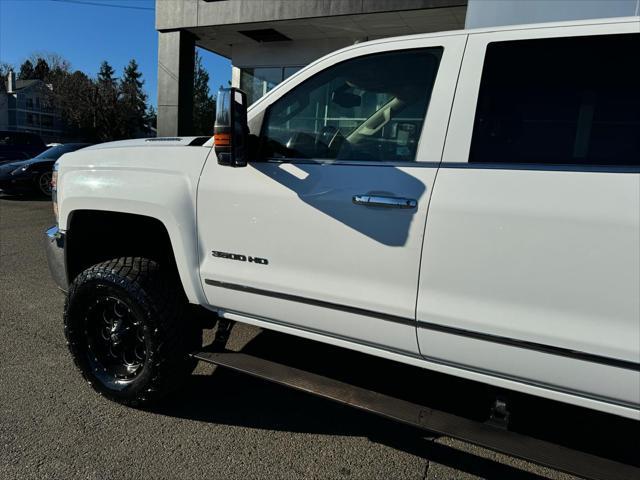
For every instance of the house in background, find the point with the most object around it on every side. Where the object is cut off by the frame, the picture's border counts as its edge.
(25, 107)
(269, 40)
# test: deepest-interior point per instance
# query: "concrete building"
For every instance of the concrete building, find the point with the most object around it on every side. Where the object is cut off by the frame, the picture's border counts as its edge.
(25, 107)
(268, 40)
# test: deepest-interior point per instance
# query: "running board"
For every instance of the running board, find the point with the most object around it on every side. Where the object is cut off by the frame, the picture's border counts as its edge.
(499, 440)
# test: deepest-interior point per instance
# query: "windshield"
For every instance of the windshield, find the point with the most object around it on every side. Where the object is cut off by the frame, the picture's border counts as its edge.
(56, 152)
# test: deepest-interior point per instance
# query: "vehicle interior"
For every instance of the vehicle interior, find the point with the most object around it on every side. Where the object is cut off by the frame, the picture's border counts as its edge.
(370, 108)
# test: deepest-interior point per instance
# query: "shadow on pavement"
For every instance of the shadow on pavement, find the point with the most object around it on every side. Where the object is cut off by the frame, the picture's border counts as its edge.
(24, 197)
(230, 398)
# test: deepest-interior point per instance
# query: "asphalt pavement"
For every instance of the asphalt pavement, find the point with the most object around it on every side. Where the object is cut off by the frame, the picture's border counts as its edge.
(219, 425)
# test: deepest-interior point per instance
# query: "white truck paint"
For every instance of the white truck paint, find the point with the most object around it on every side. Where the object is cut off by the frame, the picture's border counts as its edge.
(491, 277)
(157, 179)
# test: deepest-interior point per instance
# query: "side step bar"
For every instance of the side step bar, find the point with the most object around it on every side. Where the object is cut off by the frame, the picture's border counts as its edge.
(527, 448)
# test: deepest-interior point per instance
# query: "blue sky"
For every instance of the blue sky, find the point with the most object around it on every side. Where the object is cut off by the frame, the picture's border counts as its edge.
(88, 34)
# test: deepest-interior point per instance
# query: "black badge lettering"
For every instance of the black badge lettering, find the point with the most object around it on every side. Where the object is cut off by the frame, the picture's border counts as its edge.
(240, 258)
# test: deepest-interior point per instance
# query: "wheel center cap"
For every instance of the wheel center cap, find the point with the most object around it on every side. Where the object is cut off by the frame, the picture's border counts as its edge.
(117, 331)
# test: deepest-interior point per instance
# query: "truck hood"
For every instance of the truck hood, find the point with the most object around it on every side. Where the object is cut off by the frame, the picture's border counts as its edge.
(142, 154)
(149, 142)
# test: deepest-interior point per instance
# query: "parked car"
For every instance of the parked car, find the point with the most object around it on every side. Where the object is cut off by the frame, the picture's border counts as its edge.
(465, 202)
(34, 175)
(19, 146)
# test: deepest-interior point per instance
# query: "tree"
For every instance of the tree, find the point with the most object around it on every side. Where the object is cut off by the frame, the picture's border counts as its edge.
(105, 75)
(72, 95)
(41, 70)
(26, 71)
(132, 102)
(151, 118)
(204, 105)
(54, 61)
(57, 75)
(95, 110)
(106, 100)
(75, 99)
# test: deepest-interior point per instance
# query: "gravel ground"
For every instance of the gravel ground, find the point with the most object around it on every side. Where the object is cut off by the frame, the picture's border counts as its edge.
(221, 425)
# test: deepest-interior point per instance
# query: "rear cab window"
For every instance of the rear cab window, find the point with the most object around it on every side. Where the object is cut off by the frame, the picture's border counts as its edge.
(560, 101)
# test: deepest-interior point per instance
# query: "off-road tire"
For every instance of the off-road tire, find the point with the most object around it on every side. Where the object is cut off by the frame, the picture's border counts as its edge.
(156, 299)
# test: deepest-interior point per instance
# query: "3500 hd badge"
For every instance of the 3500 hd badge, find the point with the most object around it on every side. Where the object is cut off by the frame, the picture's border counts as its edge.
(239, 257)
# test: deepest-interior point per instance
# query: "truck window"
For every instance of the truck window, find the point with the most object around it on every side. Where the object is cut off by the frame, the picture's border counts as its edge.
(369, 108)
(560, 101)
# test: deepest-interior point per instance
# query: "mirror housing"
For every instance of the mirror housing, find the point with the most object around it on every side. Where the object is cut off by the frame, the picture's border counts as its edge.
(230, 131)
(344, 98)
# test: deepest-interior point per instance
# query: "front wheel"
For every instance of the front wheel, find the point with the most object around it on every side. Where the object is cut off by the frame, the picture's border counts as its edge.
(126, 329)
(44, 184)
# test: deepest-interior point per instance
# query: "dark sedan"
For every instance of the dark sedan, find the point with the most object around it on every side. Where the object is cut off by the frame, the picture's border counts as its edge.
(34, 175)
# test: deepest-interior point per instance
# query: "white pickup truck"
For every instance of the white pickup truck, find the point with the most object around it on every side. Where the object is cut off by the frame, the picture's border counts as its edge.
(467, 202)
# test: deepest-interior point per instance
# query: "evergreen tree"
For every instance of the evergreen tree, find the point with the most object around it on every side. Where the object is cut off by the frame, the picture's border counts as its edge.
(106, 74)
(26, 71)
(204, 105)
(95, 110)
(106, 115)
(41, 70)
(151, 118)
(132, 101)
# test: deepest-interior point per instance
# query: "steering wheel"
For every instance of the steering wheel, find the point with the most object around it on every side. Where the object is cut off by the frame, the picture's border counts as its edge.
(328, 141)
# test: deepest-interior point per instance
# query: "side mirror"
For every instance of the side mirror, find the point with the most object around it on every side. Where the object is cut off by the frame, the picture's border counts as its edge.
(230, 131)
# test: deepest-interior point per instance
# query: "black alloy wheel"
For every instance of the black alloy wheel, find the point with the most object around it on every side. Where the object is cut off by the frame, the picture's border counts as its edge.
(116, 346)
(44, 184)
(127, 328)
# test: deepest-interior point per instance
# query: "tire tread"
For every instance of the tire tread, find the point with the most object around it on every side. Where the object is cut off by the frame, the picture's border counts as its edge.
(160, 296)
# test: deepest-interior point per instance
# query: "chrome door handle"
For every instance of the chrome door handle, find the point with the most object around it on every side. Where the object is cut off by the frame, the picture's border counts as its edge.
(381, 201)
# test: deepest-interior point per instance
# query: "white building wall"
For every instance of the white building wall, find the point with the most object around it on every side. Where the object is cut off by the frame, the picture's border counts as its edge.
(489, 13)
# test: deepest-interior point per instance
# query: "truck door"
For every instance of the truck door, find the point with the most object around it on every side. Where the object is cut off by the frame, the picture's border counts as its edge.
(531, 266)
(323, 230)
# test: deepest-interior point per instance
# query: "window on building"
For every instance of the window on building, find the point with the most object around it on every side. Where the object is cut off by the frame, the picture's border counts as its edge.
(256, 82)
(30, 119)
(47, 121)
(46, 104)
(368, 108)
(560, 101)
(29, 102)
(288, 71)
